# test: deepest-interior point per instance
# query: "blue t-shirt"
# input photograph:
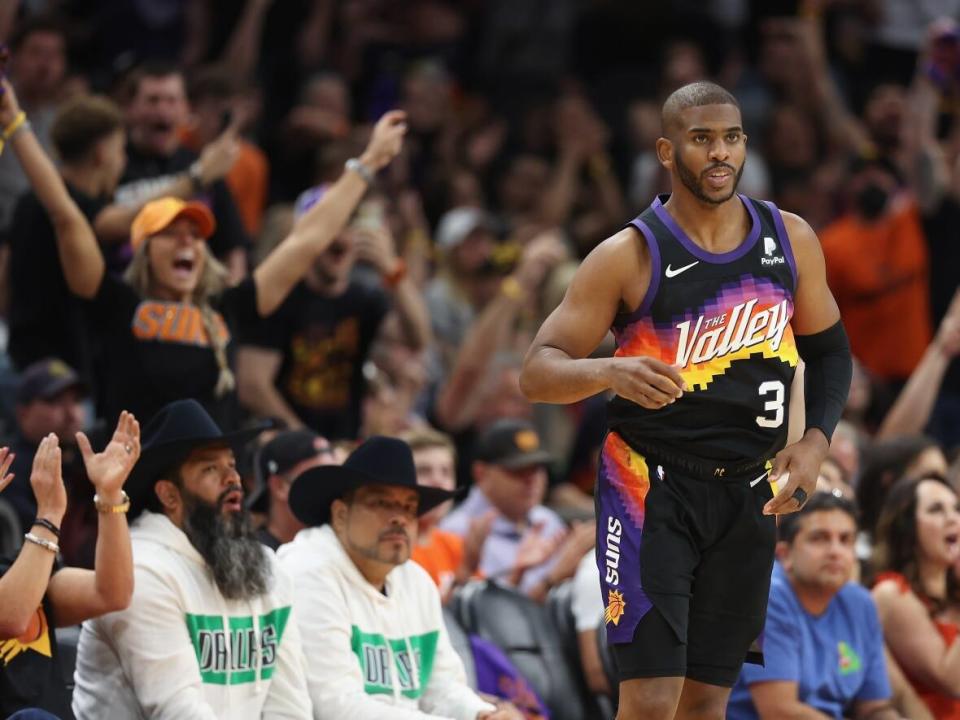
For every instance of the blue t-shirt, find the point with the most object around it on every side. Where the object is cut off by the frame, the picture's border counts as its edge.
(835, 658)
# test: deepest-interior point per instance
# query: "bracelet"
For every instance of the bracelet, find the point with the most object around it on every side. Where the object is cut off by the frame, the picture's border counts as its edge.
(18, 122)
(122, 507)
(357, 166)
(399, 272)
(43, 522)
(45, 544)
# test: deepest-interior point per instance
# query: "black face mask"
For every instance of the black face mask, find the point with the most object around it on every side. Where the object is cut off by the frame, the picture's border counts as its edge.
(871, 201)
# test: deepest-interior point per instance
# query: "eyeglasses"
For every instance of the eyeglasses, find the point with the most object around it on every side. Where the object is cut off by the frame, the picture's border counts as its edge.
(389, 508)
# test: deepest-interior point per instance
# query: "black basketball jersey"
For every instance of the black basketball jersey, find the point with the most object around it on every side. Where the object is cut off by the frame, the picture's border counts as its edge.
(724, 321)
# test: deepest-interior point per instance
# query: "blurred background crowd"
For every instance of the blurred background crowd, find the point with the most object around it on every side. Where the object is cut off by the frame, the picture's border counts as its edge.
(531, 131)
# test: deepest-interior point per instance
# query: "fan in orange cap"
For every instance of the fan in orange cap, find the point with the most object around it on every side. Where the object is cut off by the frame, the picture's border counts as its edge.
(167, 327)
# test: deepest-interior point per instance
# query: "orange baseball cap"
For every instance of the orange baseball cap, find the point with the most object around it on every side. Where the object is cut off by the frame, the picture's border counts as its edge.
(157, 215)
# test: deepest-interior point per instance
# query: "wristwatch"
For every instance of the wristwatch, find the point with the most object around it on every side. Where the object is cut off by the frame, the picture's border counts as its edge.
(360, 169)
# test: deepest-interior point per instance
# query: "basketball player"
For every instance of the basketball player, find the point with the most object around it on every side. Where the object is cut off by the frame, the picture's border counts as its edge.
(711, 297)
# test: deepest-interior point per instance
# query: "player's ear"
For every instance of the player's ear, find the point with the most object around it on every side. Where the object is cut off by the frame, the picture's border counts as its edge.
(783, 553)
(665, 152)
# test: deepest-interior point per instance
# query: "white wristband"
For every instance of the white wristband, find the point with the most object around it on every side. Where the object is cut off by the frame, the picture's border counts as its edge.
(45, 544)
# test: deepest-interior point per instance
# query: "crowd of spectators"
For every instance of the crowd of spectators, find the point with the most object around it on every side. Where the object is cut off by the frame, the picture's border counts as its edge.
(347, 218)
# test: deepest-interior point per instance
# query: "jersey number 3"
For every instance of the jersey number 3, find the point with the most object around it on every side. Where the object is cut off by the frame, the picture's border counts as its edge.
(774, 405)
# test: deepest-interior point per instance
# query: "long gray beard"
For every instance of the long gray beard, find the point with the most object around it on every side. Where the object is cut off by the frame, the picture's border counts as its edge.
(231, 550)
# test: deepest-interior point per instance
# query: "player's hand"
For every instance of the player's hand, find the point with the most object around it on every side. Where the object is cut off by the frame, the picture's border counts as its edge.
(648, 382)
(799, 463)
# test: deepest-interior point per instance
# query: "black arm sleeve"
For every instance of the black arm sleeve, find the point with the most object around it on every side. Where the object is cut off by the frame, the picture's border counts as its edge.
(827, 377)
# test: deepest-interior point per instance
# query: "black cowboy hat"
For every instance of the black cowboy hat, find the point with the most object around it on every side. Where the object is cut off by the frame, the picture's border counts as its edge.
(378, 461)
(170, 436)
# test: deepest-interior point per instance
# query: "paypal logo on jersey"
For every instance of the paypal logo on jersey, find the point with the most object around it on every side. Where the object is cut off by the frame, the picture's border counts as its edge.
(769, 248)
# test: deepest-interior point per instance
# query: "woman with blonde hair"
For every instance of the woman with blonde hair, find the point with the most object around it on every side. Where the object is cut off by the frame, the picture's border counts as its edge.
(166, 331)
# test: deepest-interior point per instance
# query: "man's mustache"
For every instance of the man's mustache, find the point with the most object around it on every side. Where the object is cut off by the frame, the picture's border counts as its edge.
(222, 497)
(718, 166)
(394, 531)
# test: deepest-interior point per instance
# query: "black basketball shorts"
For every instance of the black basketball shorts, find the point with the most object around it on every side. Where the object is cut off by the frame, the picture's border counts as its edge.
(685, 559)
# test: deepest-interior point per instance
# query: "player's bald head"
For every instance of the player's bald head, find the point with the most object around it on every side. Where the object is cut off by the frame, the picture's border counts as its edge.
(695, 94)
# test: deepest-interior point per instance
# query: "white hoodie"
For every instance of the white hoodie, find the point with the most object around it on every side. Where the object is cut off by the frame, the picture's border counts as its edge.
(166, 656)
(373, 656)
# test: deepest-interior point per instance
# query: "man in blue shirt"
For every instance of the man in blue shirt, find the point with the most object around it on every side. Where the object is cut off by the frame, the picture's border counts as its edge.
(822, 642)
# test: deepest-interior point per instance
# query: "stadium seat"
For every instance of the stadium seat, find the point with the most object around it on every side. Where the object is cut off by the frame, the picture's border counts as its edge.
(10, 530)
(606, 657)
(461, 644)
(67, 639)
(525, 632)
(560, 608)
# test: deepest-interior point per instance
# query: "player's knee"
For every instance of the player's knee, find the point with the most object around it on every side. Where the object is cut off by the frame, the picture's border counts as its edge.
(652, 698)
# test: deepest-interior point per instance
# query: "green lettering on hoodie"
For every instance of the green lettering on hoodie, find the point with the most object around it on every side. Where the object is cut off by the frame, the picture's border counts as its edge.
(210, 643)
(374, 657)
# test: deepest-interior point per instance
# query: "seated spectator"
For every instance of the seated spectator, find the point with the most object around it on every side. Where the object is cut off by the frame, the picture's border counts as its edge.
(822, 643)
(528, 545)
(916, 590)
(209, 631)
(49, 400)
(279, 462)
(304, 365)
(169, 326)
(37, 594)
(833, 479)
(371, 621)
(450, 559)
(886, 461)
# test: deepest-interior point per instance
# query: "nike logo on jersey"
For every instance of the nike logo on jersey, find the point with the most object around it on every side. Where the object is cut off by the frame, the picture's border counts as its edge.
(670, 272)
(741, 327)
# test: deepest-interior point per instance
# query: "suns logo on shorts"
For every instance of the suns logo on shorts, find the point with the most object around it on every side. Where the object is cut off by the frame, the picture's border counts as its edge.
(615, 607)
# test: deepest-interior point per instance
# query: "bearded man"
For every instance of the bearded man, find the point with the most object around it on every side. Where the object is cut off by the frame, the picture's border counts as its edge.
(209, 632)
